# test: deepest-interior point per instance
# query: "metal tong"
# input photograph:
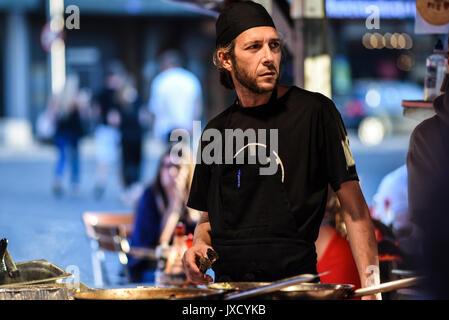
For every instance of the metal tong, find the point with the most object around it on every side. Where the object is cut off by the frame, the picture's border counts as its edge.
(277, 285)
(7, 266)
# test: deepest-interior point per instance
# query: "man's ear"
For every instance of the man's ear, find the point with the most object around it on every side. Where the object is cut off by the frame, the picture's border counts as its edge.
(225, 60)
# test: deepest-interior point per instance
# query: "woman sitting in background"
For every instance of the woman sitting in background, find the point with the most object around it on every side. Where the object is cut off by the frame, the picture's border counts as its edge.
(168, 192)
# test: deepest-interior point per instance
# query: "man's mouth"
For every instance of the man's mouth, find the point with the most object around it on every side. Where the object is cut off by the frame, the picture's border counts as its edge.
(268, 74)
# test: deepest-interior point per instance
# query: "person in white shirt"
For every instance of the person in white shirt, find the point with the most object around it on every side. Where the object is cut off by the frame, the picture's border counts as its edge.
(391, 198)
(391, 208)
(175, 97)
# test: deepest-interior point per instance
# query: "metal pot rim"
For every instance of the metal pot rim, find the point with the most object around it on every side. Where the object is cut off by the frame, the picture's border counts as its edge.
(148, 293)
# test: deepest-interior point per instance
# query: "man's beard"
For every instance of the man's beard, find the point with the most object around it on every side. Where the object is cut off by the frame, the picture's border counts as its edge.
(251, 83)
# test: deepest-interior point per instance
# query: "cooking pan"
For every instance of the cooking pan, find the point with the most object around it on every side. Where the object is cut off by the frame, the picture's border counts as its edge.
(242, 290)
(273, 286)
(310, 291)
(154, 293)
(150, 293)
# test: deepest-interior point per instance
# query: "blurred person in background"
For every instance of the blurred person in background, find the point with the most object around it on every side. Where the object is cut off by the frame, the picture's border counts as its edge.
(391, 208)
(428, 185)
(71, 116)
(133, 122)
(170, 188)
(333, 250)
(175, 97)
(46, 121)
(106, 111)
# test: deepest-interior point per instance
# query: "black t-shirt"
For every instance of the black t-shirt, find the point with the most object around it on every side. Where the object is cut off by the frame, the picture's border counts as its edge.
(130, 125)
(312, 146)
(107, 101)
(71, 123)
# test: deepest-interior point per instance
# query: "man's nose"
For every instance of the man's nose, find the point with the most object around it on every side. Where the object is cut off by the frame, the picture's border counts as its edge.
(268, 55)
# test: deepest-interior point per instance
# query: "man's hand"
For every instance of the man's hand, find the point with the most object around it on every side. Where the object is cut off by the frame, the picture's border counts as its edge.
(190, 262)
(191, 258)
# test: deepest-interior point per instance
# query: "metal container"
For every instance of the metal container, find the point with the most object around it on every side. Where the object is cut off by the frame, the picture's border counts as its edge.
(52, 291)
(37, 272)
(46, 292)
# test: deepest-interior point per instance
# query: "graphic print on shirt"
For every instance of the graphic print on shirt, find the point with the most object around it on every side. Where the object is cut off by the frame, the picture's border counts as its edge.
(252, 153)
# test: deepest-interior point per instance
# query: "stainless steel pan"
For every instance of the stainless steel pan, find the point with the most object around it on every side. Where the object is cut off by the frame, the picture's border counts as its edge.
(150, 293)
(314, 291)
(273, 286)
(153, 293)
(245, 290)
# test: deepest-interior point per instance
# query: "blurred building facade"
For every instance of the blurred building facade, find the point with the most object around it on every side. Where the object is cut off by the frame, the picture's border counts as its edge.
(136, 31)
(133, 32)
(378, 59)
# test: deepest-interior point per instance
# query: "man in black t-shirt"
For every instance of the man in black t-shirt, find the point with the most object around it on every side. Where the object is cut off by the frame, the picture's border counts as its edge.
(428, 185)
(263, 222)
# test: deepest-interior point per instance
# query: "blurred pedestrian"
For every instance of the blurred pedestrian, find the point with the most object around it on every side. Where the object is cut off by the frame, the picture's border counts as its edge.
(175, 97)
(155, 207)
(107, 133)
(72, 108)
(132, 126)
(46, 121)
(391, 208)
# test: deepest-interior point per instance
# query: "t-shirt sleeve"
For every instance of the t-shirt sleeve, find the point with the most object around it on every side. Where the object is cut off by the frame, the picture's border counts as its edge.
(339, 162)
(199, 189)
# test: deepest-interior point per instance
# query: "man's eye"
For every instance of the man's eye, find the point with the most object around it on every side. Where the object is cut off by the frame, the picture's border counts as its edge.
(254, 46)
(275, 45)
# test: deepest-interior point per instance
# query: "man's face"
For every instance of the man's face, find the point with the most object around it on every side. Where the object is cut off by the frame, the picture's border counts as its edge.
(256, 59)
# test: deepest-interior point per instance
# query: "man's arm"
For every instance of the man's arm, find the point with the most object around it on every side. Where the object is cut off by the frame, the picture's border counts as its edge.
(361, 233)
(201, 242)
(202, 231)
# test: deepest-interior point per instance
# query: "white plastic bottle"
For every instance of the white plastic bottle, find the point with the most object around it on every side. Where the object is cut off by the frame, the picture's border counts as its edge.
(435, 72)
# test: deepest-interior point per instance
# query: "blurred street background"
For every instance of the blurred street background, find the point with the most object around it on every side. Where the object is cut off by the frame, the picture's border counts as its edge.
(366, 71)
(40, 226)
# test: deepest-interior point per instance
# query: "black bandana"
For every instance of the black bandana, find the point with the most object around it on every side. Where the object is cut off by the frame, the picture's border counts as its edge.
(239, 17)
